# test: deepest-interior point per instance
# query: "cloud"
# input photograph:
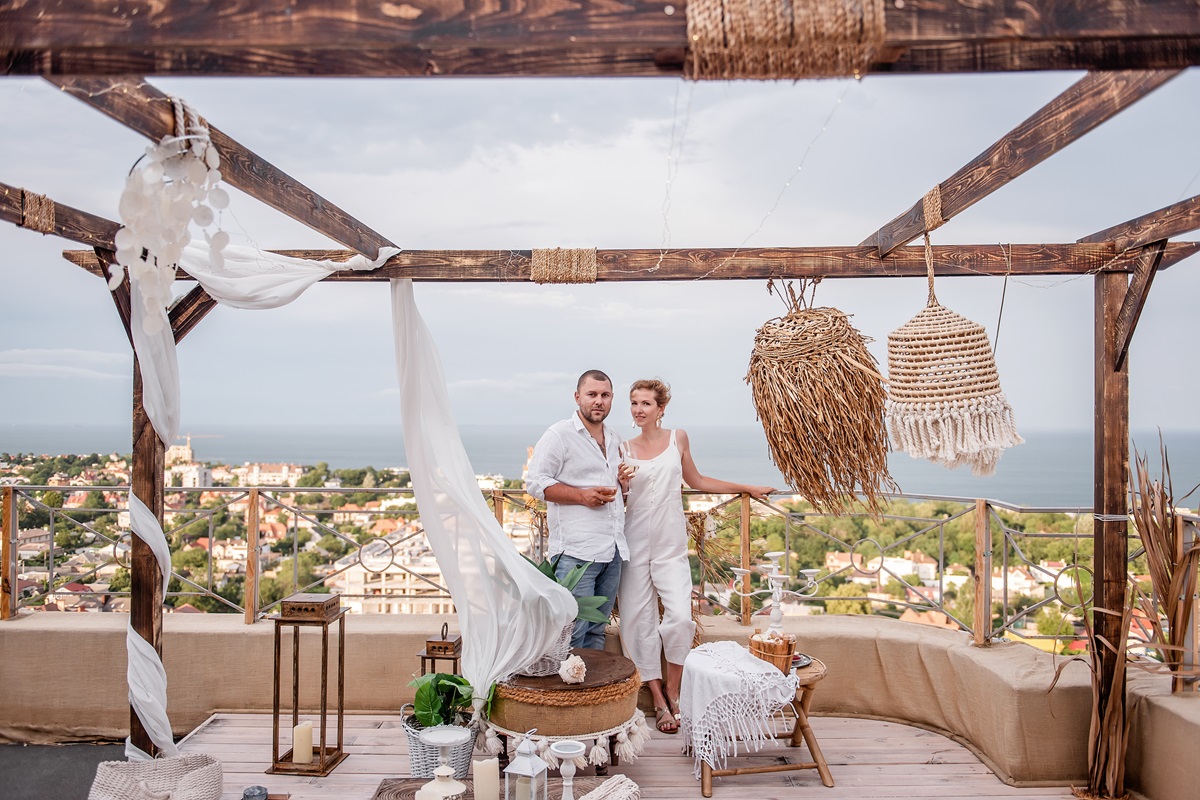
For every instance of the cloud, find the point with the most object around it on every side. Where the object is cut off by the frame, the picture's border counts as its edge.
(64, 363)
(520, 383)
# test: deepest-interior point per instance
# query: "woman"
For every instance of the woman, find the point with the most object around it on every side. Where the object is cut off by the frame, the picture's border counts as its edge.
(660, 460)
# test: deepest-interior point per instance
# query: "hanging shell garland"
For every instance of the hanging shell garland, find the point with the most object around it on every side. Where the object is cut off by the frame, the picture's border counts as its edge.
(820, 398)
(172, 186)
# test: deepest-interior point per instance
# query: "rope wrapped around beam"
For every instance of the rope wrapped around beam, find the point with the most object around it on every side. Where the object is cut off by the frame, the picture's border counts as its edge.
(37, 212)
(772, 39)
(563, 265)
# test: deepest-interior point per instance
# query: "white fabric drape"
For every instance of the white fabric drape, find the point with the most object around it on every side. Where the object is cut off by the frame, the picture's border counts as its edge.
(508, 612)
(144, 672)
(159, 367)
(249, 279)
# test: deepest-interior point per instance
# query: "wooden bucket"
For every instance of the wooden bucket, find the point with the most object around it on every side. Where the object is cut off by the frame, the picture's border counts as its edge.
(776, 651)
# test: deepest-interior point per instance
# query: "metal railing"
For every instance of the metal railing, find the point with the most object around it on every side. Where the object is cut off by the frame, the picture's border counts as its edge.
(1024, 566)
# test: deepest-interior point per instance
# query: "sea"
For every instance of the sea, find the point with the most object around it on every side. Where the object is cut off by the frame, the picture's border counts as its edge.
(1053, 468)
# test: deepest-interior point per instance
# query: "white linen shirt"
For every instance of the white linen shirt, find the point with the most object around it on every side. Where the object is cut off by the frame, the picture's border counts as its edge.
(568, 454)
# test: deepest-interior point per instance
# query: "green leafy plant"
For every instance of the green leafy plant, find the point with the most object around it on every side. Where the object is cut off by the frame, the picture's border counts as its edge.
(441, 699)
(589, 607)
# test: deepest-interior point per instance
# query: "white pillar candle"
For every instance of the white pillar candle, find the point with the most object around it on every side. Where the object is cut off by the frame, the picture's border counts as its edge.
(302, 743)
(523, 788)
(486, 774)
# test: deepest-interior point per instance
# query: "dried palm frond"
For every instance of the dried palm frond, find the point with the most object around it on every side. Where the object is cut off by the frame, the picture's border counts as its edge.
(820, 397)
(1172, 561)
(1108, 731)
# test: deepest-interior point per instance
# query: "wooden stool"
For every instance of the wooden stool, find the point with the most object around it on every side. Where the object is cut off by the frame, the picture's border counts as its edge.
(809, 676)
(429, 662)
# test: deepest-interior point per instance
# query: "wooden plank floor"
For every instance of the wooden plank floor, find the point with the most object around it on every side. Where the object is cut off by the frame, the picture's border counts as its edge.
(869, 760)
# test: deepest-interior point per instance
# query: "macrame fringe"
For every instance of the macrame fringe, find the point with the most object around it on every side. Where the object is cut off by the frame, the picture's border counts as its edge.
(969, 432)
(618, 787)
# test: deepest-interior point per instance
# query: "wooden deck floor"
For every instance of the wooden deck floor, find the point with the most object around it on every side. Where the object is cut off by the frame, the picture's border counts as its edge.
(868, 759)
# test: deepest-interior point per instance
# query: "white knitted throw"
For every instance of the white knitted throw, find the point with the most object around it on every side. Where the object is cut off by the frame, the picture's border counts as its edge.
(729, 698)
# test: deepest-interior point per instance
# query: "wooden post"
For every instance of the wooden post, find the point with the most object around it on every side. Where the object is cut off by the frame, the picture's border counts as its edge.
(8, 530)
(250, 589)
(146, 594)
(498, 505)
(1111, 470)
(745, 527)
(983, 574)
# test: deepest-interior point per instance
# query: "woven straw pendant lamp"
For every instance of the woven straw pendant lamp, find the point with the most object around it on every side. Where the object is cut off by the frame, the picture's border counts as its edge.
(819, 395)
(944, 401)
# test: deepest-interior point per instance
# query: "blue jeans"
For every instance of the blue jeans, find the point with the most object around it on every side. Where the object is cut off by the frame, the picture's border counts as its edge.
(601, 578)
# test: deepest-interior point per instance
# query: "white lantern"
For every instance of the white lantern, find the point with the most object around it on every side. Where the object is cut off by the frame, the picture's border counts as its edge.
(525, 776)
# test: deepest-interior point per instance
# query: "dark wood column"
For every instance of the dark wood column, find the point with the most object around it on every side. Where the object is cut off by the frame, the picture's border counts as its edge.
(1111, 466)
(146, 595)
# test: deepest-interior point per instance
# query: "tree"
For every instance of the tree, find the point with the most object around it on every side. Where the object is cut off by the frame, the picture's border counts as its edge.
(68, 537)
(1050, 622)
(285, 583)
(336, 546)
(847, 606)
(315, 477)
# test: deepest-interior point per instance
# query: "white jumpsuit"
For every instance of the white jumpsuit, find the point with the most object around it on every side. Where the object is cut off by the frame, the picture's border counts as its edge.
(658, 567)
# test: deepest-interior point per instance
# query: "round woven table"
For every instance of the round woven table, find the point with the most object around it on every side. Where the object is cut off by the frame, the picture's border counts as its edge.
(605, 702)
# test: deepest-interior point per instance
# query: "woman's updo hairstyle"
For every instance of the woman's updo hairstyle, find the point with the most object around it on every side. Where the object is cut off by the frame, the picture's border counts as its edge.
(661, 389)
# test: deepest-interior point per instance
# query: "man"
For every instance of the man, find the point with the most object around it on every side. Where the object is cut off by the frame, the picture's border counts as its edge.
(575, 469)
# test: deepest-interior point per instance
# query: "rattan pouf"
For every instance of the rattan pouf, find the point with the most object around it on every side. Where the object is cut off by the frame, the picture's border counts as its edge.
(601, 712)
(606, 698)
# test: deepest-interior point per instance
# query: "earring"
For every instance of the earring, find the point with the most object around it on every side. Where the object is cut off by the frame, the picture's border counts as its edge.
(658, 422)
(634, 424)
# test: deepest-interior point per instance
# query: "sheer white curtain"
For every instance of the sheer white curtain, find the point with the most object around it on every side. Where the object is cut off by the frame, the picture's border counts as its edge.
(509, 612)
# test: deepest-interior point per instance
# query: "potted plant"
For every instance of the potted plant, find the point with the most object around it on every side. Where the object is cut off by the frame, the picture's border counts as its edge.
(589, 611)
(440, 699)
(589, 607)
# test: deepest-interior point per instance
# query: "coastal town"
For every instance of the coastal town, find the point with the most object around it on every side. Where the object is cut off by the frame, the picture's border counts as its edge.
(356, 532)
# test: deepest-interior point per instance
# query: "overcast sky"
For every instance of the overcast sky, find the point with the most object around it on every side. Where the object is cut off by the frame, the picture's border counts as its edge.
(463, 164)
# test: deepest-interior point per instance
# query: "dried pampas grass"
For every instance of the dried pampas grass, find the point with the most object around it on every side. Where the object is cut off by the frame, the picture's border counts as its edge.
(820, 397)
(1172, 557)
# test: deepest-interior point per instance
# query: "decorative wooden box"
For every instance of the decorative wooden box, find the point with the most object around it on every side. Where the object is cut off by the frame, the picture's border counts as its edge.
(450, 644)
(311, 606)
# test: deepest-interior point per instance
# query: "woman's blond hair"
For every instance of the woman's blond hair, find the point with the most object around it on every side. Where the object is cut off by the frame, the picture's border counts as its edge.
(661, 389)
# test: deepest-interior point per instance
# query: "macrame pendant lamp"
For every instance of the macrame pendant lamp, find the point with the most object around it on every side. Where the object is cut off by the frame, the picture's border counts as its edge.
(819, 395)
(945, 402)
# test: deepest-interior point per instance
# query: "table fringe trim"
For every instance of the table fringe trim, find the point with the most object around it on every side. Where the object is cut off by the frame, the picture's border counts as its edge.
(631, 735)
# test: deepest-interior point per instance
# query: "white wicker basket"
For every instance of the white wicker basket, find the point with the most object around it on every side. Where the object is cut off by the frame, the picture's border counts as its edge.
(423, 759)
(549, 662)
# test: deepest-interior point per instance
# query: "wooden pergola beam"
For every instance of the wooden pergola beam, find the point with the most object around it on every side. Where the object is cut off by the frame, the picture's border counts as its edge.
(512, 266)
(1084, 105)
(555, 37)
(143, 108)
(1175, 219)
(1135, 299)
(69, 223)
